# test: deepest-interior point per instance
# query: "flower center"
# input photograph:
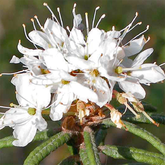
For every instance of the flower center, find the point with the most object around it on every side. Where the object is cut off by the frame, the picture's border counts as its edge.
(31, 111)
(64, 82)
(45, 71)
(119, 70)
(95, 73)
(86, 57)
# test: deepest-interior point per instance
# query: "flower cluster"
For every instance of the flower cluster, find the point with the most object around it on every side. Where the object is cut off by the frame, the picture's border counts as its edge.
(69, 70)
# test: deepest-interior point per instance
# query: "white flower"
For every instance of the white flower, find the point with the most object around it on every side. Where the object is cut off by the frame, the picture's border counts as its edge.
(26, 118)
(138, 72)
(25, 121)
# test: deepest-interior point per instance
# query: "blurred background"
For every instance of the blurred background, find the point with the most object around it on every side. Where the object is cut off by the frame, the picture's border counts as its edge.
(119, 13)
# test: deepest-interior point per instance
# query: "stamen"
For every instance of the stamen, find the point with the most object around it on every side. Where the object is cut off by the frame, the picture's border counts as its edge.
(155, 123)
(87, 22)
(113, 28)
(24, 28)
(74, 8)
(94, 16)
(148, 39)
(140, 33)
(162, 64)
(32, 20)
(8, 74)
(4, 107)
(136, 15)
(45, 4)
(54, 41)
(103, 16)
(130, 108)
(128, 26)
(39, 22)
(139, 23)
(58, 9)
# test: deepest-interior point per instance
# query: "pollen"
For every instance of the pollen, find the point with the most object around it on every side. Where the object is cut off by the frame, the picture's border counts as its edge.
(64, 82)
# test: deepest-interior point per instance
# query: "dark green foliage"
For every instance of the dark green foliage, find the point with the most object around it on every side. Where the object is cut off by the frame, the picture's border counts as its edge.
(133, 154)
(136, 130)
(90, 146)
(40, 152)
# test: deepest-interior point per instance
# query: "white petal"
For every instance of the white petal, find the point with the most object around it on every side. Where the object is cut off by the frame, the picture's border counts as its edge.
(103, 91)
(15, 60)
(39, 38)
(62, 103)
(58, 32)
(80, 63)
(149, 73)
(14, 116)
(24, 134)
(134, 46)
(54, 59)
(142, 57)
(83, 93)
(30, 52)
(133, 87)
(77, 37)
(29, 93)
(94, 39)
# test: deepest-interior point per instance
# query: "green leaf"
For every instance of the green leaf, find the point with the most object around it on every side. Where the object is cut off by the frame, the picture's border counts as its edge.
(131, 153)
(71, 160)
(142, 119)
(136, 130)
(100, 136)
(84, 157)
(7, 141)
(40, 152)
(90, 146)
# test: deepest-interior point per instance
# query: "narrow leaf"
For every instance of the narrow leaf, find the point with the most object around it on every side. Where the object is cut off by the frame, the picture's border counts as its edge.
(136, 130)
(40, 152)
(7, 141)
(100, 136)
(90, 146)
(131, 153)
(84, 157)
(142, 119)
